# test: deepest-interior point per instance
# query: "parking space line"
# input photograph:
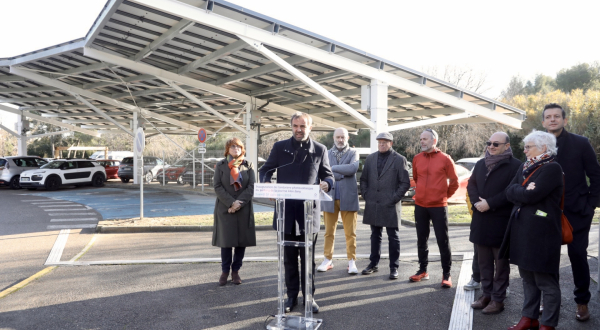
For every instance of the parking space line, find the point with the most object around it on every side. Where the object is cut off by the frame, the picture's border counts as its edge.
(74, 219)
(83, 213)
(52, 202)
(462, 313)
(58, 247)
(79, 209)
(37, 200)
(60, 205)
(78, 226)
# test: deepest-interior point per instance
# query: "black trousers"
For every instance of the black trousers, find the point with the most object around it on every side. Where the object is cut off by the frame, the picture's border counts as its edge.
(495, 272)
(578, 255)
(394, 245)
(238, 256)
(294, 277)
(439, 218)
(475, 267)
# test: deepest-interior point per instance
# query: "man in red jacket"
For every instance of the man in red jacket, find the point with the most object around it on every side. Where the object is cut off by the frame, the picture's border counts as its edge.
(436, 179)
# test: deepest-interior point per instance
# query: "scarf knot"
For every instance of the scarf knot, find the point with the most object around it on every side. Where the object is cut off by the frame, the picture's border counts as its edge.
(492, 160)
(531, 164)
(339, 153)
(234, 171)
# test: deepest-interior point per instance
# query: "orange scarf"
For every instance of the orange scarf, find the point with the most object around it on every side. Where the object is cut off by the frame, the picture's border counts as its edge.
(234, 171)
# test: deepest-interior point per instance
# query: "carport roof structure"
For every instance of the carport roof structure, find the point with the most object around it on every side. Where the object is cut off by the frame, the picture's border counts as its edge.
(188, 64)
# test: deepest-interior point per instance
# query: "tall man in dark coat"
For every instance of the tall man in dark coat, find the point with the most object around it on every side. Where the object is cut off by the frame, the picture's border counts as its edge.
(578, 160)
(491, 212)
(299, 160)
(383, 183)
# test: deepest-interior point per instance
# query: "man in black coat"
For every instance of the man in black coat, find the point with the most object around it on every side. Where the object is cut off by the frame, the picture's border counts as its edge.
(578, 160)
(491, 212)
(299, 160)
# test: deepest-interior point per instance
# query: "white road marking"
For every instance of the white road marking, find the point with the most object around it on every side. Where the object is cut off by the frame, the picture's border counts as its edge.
(38, 200)
(83, 213)
(462, 313)
(60, 205)
(52, 202)
(78, 209)
(75, 219)
(54, 227)
(58, 247)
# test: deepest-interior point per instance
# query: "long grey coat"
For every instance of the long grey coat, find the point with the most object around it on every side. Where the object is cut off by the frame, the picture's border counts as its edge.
(382, 192)
(344, 173)
(234, 229)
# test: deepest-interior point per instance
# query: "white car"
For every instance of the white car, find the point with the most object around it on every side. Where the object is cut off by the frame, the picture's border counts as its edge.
(64, 172)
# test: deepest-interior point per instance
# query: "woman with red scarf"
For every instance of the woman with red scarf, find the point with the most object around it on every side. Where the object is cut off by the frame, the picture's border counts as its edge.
(234, 216)
(534, 234)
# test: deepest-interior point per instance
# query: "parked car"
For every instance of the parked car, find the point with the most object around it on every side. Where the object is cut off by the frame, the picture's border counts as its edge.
(468, 163)
(11, 168)
(64, 172)
(111, 155)
(175, 172)
(151, 167)
(111, 167)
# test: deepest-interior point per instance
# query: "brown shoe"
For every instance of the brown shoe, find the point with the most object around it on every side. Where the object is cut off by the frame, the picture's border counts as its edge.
(494, 307)
(526, 324)
(235, 278)
(583, 314)
(223, 279)
(481, 303)
(547, 327)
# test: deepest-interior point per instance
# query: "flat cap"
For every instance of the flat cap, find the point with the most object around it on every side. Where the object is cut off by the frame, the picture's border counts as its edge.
(385, 136)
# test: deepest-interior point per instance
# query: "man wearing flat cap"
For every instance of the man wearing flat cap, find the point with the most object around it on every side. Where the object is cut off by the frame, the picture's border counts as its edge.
(383, 183)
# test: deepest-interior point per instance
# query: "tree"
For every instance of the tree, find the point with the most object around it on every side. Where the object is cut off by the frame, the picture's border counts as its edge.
(516, 86)
(581, 76)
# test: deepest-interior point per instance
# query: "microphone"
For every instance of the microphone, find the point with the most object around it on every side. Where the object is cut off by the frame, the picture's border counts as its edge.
(278, 167)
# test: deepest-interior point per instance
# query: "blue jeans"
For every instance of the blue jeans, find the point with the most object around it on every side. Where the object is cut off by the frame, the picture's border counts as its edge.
(238, 256)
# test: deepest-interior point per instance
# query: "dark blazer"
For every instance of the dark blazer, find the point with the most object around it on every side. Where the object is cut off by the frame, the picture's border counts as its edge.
(382, 192)
(488, 228)
(307, 164)
(533, 242)
(578, 160)
(234, 229)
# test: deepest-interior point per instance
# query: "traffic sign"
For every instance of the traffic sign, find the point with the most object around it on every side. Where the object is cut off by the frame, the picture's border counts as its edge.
(201, 150)
(140, 140)
(202, 135)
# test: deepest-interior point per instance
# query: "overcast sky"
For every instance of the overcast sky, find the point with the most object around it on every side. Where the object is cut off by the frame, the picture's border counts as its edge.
(500, 39)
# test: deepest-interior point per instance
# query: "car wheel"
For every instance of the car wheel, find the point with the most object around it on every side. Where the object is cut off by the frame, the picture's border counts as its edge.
(31, 188)
(52, 183)
(98, 180)
(14, 182)
(149, 177)
(124, 180)
(180, 180)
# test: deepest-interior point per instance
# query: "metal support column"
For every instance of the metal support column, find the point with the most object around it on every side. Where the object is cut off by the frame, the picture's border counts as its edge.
(251, 138)
(134, 126)
(22, 126)
(374, 98)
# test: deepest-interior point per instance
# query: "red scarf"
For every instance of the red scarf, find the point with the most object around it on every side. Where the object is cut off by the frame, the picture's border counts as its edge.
(234, 164)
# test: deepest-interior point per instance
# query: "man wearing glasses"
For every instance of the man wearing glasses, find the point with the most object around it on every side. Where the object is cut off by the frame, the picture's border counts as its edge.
(578, 161)
(436, 180)
(491, 212)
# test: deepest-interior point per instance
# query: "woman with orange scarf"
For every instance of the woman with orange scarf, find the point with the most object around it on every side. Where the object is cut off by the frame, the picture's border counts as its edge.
(234, 216)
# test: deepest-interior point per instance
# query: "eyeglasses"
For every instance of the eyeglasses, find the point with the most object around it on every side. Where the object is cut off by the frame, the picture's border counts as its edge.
(495, 144)
(233, 146)
(529, 147)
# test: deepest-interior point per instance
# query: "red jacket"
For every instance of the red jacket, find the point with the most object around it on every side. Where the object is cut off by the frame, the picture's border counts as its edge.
(431, 171)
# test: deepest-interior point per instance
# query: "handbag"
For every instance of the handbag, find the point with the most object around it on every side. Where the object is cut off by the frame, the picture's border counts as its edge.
(567, 229)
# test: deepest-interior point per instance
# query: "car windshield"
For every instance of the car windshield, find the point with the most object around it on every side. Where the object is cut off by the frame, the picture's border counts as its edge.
(182, 164)
(53, 165)
(127, 161)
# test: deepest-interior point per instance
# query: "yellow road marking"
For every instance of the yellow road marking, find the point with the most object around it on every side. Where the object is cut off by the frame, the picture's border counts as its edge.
(24, 283)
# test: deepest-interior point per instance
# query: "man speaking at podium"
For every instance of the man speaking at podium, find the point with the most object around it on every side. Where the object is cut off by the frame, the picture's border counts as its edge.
(299, 160)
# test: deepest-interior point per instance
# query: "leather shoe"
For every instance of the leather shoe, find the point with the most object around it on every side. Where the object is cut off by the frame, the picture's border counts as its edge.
(546, 327)
(315, 307)
(235, 278)
(526, 324)
(481, 303)
(494, 307)
(370, 270)
(583, 314)
(290, 303)
(223, 279)
(393, 274)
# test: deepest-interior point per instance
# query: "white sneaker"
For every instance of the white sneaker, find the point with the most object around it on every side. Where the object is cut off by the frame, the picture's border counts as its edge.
(472, 285)
(352, 267)
(325, 266)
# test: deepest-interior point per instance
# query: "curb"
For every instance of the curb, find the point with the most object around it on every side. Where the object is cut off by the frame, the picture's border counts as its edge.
(167, 229)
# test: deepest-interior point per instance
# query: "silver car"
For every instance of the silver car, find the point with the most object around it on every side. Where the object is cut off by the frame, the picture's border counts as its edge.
(12, 167)
(151, 167)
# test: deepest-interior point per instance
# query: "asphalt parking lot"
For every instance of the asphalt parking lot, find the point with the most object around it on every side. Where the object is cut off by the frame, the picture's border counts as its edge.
(142, 281)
